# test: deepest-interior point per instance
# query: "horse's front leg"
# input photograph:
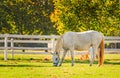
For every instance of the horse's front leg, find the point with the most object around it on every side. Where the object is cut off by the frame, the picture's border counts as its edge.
(63, 56)
(72, 57)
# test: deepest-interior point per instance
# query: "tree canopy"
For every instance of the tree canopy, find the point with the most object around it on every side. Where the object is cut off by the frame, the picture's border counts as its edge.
(82, 15)
(26, 16)
(58, 16)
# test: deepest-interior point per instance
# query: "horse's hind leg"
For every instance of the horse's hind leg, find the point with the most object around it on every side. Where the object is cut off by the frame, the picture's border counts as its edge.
(91, 55)
(72, 56)
(63, 56)
(92, 51)
(97, 53)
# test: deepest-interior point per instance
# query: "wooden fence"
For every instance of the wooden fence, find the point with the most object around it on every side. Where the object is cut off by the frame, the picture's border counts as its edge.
(44, 43)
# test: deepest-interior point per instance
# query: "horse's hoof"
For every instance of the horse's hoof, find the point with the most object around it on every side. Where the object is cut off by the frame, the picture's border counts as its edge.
(72, 65)
(55, 65)
(59, 65)
(90, 65)
(98, 65)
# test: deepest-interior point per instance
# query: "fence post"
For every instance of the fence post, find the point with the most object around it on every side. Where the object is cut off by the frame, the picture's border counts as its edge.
(12, 46)
(5, 47)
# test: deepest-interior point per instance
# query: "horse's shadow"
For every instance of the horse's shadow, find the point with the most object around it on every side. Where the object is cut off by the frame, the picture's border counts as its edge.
(107, 61)
(114, 62)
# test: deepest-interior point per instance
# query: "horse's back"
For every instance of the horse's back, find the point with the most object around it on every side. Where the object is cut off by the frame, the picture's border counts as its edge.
(81, 40)
(92, 37)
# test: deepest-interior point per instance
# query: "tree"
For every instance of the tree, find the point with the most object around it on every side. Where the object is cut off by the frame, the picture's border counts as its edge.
(82, 15)
(26, 17)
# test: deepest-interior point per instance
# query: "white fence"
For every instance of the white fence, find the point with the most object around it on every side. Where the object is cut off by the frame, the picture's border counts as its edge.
(11, 42)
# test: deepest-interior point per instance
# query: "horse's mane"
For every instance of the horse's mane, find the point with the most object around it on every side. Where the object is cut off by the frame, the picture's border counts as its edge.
(58, 45)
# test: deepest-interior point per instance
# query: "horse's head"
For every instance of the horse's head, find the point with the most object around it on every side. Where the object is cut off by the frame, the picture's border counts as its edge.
(55, 59)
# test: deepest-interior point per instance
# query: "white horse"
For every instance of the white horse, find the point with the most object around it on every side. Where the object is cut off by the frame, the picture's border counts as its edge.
(89, 40)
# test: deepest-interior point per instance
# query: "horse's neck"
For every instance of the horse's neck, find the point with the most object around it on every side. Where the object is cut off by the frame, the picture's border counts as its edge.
(57, 50)
(58, 46)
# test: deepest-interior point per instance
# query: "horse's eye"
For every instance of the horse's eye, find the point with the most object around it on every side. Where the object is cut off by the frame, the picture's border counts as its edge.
(56, 59)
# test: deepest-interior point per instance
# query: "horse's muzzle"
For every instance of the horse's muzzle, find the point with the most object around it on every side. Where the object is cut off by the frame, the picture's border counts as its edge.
(55, 64)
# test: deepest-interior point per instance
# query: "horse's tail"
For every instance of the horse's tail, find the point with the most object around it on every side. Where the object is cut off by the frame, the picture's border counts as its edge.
(101, 54)
(59, 45)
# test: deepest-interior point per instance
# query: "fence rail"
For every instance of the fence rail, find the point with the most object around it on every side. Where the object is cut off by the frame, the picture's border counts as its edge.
(12, 42)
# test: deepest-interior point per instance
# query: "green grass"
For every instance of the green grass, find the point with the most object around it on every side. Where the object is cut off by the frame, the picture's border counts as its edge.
(36, 66)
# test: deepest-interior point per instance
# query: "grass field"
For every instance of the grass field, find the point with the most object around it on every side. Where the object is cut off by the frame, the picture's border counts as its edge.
(40, 66)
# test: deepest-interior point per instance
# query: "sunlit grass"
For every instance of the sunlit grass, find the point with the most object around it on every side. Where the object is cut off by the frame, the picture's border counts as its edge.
(37, 66)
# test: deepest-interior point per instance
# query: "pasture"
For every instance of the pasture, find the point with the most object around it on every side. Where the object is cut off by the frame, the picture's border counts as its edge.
(40, 66)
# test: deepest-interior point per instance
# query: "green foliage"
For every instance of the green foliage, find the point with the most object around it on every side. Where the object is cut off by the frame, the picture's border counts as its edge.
(26, 16)
(81, 15)
(35, 16)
